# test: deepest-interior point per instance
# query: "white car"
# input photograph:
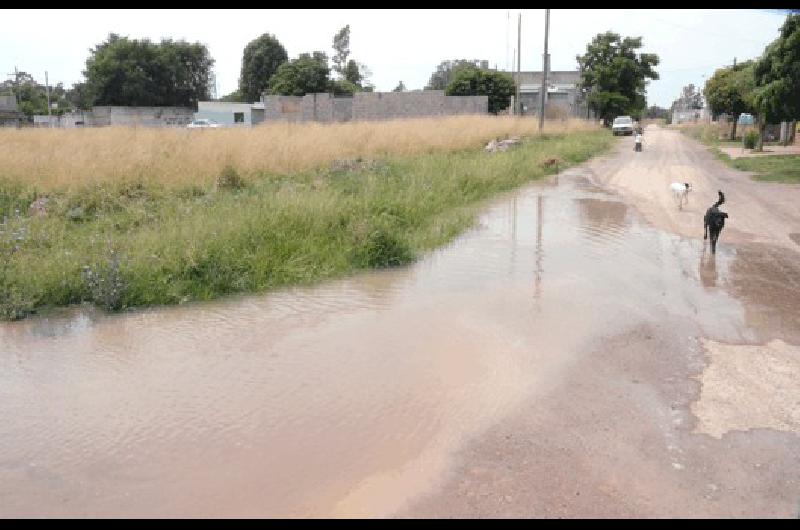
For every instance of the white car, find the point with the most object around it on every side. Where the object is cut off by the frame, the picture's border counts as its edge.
(622, 125)
(203, 124)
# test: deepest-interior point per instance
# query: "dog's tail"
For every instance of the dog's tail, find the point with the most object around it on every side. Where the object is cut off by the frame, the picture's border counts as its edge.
(720, 200)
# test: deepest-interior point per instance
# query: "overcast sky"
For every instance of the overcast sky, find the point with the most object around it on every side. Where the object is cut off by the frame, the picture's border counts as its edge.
(397, 45)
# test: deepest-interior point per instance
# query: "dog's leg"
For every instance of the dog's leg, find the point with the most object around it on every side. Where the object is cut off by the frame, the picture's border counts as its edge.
(705, 227)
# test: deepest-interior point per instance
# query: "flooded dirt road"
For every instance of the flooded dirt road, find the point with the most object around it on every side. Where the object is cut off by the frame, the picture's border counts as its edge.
(568, 357)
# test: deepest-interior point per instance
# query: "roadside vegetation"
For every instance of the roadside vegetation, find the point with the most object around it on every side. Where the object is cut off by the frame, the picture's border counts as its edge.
(137, 217)
(772, 168)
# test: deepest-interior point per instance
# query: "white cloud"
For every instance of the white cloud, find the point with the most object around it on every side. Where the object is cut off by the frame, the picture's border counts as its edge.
(397, 44)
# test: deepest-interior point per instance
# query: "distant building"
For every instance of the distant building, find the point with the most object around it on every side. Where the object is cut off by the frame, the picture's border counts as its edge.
(119, 116)
(105, 116)
(10, 116)
(231, 114)
(563, 98)
(691, 116)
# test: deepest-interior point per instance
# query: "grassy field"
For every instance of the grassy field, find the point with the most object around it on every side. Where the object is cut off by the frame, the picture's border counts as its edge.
(777, 168)
(159, 227)
(772, 168)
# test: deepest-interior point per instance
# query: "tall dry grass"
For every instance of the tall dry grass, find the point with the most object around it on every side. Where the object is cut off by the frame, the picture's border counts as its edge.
(57, 159)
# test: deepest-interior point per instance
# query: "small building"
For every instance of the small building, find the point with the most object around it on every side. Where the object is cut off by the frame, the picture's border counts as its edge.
(691, 116)
(10, 116)
(231, 114)
(563, 98)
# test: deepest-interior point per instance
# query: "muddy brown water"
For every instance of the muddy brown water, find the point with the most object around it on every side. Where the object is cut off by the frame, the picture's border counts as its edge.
(357, 397)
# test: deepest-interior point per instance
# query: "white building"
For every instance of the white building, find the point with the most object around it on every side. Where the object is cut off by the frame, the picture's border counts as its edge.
(231, 114)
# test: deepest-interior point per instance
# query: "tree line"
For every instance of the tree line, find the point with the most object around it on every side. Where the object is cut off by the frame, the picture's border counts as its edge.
(767, 87)
(131, 72)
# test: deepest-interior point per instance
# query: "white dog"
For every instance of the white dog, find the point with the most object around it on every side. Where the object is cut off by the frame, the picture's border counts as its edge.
(681, 192)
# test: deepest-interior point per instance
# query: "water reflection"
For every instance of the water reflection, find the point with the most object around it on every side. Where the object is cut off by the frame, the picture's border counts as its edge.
(708, 269)
(537, 293)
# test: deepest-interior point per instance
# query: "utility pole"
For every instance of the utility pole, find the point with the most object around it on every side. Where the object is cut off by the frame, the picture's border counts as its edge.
(546, 61)
(47, 87)
(519, 63)
(508, 22)
(15, 85)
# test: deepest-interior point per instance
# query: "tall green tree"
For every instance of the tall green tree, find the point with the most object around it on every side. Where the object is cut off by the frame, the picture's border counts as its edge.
(352, 73)
(305, 75)
(615, 75)
(472, 81)
(121, 71)
(730, 91)
(446, 71)
(777, 78)
(79, 96)
(341, 46)
(260, 60)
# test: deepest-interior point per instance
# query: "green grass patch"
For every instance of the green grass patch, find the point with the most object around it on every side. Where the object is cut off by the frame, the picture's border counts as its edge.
(773, 168)
(136, 243)
(769, 168)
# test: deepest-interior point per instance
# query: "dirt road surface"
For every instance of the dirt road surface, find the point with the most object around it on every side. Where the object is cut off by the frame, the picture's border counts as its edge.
(662, 421)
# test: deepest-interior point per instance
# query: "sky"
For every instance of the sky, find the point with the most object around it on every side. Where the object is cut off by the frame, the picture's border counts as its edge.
(398, 45)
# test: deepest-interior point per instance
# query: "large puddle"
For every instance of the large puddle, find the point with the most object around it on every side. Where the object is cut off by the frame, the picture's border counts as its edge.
(345, 399)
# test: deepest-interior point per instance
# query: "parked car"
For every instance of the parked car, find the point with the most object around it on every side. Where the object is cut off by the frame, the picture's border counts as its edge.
(622, 125)
(203, 124)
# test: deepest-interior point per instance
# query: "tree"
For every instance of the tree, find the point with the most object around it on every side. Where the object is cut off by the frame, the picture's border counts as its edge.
(447, 71)
(777, 78)
(657, 113)
(343, 87)
(352, 73)
(498, 86)
(79, 97)
(400, 87)
(235, 97)
(730, 91)
(32, 96)
(341, 46)
(691, 98)
(260, 60)
(615, 76)
(127, 72)
(305, 75)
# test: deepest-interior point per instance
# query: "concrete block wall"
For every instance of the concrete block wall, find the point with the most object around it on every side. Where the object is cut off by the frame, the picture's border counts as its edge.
(142, 116)
(371, 106)
(466, 105)
(342, 109)
(282, 108)
(389, 105)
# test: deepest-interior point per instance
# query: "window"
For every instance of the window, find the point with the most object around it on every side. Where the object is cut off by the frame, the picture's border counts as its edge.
(238, 117)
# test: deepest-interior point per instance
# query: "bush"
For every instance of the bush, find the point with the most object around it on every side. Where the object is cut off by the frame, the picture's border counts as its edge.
(751, 139)
(105, 282)
(230, 179)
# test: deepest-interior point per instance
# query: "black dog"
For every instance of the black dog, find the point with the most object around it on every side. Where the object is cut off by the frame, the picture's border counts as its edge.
(715, 221)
